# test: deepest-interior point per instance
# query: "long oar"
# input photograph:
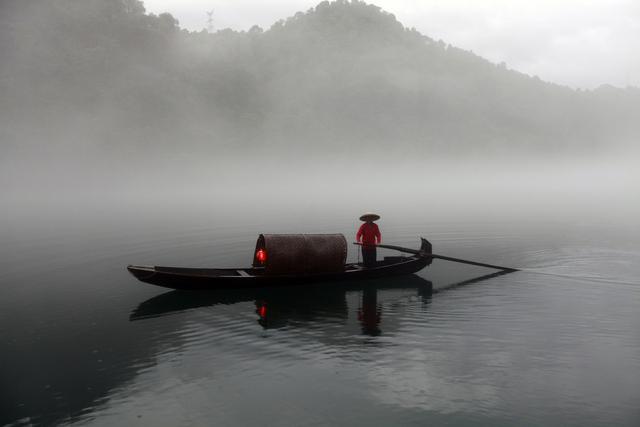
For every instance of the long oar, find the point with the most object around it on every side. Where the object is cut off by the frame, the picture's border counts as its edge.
(448, 258)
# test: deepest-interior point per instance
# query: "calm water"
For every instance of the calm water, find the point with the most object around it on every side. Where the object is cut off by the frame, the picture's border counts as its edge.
(85, 343)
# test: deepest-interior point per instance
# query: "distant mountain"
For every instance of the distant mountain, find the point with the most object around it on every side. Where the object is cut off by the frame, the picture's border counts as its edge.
(341, 76)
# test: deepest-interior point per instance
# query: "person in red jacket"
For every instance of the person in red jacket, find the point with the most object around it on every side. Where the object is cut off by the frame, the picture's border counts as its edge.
(369, 235)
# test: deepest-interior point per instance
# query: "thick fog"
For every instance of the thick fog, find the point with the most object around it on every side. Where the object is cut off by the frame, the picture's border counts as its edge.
(339, 108)
(582, 44)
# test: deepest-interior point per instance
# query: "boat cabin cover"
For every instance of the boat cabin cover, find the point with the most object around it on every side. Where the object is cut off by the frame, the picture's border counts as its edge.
(300, 253)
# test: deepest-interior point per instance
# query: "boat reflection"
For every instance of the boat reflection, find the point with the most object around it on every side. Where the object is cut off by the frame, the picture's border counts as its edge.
(330, 302)
(280, 307)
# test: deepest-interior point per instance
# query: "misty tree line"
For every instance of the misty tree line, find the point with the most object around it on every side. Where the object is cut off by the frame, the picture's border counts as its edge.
(341, 76)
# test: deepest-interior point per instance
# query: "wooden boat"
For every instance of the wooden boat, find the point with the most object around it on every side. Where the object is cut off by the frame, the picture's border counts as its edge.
(295, 301)
(292, 260)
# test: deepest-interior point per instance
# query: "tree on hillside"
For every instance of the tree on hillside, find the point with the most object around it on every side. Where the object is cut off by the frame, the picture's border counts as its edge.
(344, 73)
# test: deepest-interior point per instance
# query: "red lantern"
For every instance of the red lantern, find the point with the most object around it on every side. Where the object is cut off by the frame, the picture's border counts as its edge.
(261, 256)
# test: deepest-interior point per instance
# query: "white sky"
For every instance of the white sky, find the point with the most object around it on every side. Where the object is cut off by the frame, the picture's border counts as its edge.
(580, 43)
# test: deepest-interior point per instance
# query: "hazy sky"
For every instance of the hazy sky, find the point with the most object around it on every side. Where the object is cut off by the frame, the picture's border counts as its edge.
(580, 43)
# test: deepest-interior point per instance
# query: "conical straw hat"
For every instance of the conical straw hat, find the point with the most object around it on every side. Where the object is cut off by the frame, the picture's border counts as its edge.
(369, 216)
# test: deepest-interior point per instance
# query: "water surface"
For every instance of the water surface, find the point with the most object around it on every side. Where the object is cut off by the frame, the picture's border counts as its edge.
(85, 343)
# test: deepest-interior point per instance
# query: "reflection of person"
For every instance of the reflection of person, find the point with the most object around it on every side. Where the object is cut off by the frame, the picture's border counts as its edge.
(369, 235)
(369, 315)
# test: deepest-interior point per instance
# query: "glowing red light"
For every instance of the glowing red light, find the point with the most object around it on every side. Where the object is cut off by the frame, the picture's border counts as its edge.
(261, 256)
(262, 311)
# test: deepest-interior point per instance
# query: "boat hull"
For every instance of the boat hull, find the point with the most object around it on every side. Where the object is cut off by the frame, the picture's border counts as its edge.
(202, 279)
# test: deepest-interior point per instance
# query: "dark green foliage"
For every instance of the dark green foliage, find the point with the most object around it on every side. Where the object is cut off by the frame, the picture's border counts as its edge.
(339, 76)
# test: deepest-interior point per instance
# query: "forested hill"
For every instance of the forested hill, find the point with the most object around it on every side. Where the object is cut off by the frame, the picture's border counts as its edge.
(338, 77)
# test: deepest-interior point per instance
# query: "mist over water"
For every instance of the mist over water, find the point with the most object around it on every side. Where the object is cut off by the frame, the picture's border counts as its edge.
(127, 140)
(105, 106)
(514, 190)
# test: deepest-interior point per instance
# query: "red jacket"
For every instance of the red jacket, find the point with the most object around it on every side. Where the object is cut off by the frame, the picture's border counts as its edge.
(369, 234)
